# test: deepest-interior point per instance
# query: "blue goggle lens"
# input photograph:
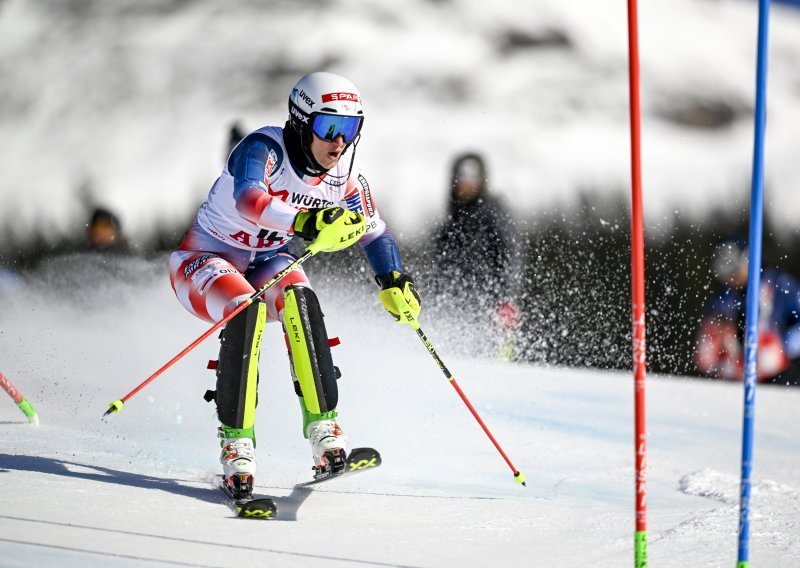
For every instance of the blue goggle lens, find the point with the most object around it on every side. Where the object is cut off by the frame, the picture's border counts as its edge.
(330, 126)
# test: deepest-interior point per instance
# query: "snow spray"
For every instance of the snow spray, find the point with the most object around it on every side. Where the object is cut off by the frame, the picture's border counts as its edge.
(19, 400)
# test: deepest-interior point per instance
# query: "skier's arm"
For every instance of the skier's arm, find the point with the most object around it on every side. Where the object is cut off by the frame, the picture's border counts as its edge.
(248, 164)
(378, 242)
(382, 252)
(398, 293)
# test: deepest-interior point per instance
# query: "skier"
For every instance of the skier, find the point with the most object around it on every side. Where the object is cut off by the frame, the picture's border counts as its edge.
(299, 180)
(720, 338)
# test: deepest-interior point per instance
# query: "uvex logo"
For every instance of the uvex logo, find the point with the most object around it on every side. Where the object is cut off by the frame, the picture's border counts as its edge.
(306, 98)
(300, 116)
(329, 97)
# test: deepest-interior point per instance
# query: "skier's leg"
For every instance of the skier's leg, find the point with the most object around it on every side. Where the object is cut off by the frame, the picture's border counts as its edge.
(262, 271)
(236, 396)
(209, 286)
(293, 302)
(314, 376)
(237, 370)
(309, 349)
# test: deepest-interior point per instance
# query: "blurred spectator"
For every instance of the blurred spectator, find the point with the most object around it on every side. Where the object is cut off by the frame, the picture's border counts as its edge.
(235, 135)
(720, 345)
(104, 233)
(474, 251)
(10, 281)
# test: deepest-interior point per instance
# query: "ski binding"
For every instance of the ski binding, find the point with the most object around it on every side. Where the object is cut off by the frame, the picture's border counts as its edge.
(337, 466)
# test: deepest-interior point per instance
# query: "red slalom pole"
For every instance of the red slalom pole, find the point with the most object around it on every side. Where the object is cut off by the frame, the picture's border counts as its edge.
(637, 288)
(116, 406)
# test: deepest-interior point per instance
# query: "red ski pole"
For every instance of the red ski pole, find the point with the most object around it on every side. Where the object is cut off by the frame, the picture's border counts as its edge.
(401, 311)
(19, 400)
(519, 477)
(116, 406)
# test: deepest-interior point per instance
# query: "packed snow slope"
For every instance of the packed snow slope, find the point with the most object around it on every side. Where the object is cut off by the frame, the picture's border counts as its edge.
(133, 99)
(136, 489)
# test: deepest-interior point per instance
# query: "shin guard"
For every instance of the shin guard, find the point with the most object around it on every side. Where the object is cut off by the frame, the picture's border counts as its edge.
(309, 350)
(237, 371)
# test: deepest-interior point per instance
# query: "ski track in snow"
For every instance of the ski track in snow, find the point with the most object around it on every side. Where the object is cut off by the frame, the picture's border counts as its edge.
(136, 489)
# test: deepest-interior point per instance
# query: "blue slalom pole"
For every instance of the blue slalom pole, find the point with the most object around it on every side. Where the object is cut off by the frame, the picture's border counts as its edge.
(753, 284)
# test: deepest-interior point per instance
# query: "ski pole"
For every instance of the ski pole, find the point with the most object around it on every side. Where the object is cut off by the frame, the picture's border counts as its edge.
(19, 400)
(519, 477)
(116, 406)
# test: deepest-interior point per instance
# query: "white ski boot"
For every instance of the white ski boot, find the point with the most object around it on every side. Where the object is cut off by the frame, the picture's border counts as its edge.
(238, 459)
(328, 446)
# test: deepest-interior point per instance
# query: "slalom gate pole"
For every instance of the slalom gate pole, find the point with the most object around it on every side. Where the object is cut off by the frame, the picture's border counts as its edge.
(519, 477)
(753, 284)
(27, 409)
(637, 293)
(116, 406)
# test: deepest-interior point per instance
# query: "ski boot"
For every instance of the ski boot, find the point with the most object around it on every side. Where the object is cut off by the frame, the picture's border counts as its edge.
(328, 447)
(238, 459)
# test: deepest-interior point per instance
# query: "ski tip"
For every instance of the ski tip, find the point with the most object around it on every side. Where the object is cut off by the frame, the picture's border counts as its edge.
(34, 419)
(519, 477)
(259, 508)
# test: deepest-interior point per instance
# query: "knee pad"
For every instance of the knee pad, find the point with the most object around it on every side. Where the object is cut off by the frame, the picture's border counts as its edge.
(237, 370)
(309, 350)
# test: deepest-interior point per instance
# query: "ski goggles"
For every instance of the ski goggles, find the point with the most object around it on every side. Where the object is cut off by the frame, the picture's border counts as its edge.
(331, 126)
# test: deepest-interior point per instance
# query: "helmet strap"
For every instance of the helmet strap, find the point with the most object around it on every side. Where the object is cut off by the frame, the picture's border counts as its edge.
(345, 177)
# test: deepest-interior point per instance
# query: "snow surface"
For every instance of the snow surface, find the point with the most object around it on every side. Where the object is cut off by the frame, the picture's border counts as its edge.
(136, 489)
(134, 98)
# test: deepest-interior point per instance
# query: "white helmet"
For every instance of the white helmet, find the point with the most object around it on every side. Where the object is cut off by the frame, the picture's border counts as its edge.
(327, 105)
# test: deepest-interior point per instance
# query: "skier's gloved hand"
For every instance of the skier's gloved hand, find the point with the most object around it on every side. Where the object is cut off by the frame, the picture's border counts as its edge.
(329, 229)
(400, 297)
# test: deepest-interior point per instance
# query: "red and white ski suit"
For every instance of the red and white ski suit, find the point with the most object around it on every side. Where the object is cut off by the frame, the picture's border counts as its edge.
(238, 241)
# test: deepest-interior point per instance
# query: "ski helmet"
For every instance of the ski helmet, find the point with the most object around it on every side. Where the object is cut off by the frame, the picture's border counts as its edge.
(325, 104)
